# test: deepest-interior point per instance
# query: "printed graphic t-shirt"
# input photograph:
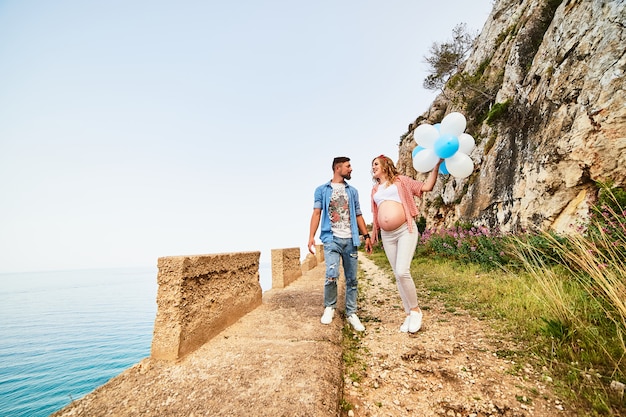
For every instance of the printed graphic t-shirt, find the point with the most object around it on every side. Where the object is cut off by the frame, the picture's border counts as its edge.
(339, 211)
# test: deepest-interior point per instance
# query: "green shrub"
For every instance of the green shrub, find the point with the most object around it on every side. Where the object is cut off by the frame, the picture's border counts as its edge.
(497, 111)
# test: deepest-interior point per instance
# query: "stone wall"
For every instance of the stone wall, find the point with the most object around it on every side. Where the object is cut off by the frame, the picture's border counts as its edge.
(285, 267)
(199, 296)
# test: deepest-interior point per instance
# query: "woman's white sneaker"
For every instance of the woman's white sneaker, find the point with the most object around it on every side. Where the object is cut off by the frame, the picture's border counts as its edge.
(415, 321)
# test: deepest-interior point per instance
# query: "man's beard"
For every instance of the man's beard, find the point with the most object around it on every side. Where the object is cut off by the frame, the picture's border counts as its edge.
(346, 176)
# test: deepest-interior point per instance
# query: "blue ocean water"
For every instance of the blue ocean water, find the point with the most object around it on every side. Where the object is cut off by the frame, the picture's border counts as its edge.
(65, 333)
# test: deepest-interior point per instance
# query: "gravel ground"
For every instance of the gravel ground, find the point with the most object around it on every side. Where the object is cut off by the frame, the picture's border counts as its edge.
(454, 366)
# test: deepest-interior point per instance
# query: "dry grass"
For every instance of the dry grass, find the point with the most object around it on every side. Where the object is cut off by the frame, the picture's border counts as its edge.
(570, 317)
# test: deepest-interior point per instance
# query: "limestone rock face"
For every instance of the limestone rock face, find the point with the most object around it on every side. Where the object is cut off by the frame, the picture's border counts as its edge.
(561, 70)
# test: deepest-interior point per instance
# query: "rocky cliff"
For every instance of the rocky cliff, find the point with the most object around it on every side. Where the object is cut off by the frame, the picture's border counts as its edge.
(543, 91)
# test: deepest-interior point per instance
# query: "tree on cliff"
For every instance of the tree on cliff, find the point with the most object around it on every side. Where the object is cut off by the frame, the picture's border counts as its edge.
(445, 59)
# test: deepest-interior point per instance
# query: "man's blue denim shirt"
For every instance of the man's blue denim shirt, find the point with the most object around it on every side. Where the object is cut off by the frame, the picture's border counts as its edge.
(322, 201)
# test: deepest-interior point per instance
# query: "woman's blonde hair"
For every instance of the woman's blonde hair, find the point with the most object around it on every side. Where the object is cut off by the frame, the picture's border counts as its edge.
(388, 168)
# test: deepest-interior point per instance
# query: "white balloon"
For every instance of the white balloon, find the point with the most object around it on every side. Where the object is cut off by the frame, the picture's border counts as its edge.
(425, 135)
(453, 124)
(460, 165)
(425, 160)
(466, 143)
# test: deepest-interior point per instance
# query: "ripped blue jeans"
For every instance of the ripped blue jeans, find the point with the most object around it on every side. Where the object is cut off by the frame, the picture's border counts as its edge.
(341, 249)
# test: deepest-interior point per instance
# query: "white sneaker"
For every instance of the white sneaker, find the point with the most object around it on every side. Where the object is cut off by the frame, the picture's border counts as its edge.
(327, 317)
(405, 326)
(415, 321)
(355, 322)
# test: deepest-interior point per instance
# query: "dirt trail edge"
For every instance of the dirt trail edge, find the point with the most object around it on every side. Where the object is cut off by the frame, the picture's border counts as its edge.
(454, 366)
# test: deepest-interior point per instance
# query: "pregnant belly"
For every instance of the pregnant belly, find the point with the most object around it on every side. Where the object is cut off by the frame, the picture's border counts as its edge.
(390, 215)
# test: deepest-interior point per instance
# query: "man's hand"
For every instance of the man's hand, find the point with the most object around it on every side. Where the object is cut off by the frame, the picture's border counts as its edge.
(311, 245)
(368, 246)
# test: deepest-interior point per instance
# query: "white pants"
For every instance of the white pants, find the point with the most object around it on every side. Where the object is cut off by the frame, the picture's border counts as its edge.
(400, 247)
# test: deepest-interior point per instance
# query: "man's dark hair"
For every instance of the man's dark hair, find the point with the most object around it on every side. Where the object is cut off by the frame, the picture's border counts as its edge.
(339, 160)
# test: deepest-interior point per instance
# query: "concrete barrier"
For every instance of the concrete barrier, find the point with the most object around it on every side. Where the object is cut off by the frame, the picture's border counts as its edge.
(199, 296)
(286, 267)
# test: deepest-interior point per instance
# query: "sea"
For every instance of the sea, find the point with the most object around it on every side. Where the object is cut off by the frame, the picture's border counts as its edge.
(65, 333)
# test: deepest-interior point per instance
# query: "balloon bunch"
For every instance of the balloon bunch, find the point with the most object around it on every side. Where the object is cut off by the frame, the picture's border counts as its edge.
(444, 141)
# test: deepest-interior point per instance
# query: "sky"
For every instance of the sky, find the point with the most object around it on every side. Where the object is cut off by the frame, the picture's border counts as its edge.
(133, 130)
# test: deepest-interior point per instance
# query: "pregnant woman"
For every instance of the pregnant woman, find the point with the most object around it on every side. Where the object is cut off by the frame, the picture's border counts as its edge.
(394, 210)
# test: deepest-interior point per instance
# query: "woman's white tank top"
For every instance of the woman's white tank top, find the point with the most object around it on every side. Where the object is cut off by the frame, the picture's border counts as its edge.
(385, 193)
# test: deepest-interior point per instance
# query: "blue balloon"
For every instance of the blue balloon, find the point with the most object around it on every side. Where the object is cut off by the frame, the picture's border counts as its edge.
(446, 146)
(437, 126)
(416, 150)
(442, 168)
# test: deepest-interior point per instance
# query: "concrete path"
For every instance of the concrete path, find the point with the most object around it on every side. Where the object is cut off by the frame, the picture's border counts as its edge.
(278, 360)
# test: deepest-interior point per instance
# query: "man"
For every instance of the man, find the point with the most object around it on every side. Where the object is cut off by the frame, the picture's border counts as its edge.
(337, 206)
